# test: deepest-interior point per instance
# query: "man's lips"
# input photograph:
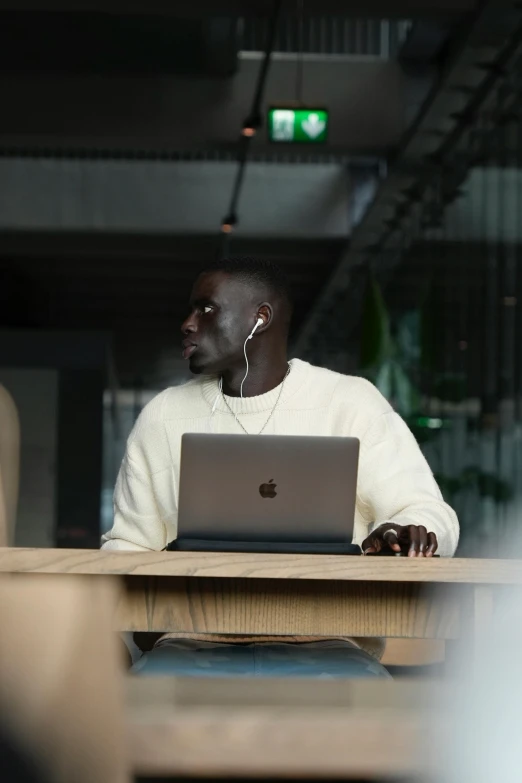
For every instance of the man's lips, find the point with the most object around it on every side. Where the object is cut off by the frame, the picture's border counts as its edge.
(188, 349)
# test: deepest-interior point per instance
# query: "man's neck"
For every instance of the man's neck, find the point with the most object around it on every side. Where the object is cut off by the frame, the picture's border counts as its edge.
(262, 377)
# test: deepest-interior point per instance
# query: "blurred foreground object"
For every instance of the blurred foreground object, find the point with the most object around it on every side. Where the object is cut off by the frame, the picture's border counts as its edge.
(279, 729)
(487, 710)
(9, 466)
(60, 677)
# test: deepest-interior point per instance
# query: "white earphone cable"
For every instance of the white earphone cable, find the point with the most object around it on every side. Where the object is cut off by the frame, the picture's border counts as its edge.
(217, 397)
(247, 367)
(220, 385)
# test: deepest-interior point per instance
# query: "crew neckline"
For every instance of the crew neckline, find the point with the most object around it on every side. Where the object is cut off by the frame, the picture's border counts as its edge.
(259, 403)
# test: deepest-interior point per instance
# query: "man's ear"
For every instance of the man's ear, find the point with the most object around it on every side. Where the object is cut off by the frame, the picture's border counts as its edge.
(265, 312)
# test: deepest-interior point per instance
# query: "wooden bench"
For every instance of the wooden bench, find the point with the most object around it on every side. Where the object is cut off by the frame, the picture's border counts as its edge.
(277, 729)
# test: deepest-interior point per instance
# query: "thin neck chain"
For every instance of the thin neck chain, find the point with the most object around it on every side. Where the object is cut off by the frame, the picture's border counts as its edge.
(234, 414)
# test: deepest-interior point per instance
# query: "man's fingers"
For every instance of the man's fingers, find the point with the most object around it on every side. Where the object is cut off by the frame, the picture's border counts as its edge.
(414, 547)
(433, 544)
(371, 545)
(411, 539)
(391, 540)
(423, 540)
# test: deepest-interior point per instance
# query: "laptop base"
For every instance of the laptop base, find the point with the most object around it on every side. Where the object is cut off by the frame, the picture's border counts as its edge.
(267, 547)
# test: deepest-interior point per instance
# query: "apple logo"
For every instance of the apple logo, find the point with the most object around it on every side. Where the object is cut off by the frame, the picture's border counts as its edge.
(268, 490)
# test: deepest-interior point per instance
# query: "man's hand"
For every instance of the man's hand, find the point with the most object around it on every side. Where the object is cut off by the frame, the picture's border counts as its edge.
(413, 540)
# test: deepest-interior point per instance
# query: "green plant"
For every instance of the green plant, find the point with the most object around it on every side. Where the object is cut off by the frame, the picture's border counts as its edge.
(386, 357)
(391, 355)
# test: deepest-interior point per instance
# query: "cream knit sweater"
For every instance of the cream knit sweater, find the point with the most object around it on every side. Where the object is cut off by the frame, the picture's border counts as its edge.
(395, 482)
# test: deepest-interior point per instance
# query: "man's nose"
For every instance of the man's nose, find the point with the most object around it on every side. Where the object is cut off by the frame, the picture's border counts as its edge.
(189, 325)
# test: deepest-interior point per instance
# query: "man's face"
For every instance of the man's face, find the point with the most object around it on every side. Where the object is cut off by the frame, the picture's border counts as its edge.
(222, 315)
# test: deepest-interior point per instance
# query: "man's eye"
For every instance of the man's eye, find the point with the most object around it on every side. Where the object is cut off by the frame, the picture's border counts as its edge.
(207, 309)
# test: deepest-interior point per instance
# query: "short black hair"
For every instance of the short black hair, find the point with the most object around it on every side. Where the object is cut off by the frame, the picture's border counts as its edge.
(255, 270)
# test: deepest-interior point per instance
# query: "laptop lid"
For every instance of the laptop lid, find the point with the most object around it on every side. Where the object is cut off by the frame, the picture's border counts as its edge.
(272, 488)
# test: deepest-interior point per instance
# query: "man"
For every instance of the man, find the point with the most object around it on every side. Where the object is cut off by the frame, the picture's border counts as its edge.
(399, 506)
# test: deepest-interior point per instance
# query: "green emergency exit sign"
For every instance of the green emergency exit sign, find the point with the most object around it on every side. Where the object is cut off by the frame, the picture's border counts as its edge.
(298, 125)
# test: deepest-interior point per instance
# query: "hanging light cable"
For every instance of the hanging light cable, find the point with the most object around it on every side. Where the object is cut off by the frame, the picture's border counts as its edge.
(250, 127)
(299, 73)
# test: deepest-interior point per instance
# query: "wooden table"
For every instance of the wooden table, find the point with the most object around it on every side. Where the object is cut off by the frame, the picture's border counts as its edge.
(305, 595)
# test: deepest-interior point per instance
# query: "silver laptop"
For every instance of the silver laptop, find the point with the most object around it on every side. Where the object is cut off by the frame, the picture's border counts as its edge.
(267, 493)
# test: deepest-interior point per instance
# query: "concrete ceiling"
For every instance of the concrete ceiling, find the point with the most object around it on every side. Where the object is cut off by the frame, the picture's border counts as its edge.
(114, 244)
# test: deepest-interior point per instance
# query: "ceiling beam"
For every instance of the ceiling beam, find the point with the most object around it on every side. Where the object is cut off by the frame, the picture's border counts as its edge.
(159, 249)
(287, 200)
(88, 114)
(381, 9)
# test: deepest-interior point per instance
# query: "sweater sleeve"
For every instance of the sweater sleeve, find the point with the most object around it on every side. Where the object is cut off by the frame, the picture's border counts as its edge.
(138, 525)
(397, 485)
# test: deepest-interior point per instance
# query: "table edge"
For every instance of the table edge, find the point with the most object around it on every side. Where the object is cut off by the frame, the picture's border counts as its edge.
(259, 566)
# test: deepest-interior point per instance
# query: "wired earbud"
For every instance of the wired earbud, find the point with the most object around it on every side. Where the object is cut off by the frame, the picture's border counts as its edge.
(259, 323)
